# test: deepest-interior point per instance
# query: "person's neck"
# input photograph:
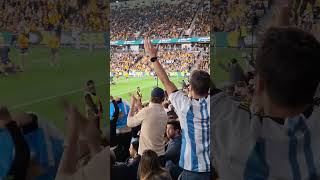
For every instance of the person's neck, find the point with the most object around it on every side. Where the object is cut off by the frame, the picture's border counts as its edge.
(277, 111)
(195, 96)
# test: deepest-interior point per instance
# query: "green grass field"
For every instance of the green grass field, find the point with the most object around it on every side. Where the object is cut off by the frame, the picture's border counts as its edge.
(224, 55)
(41, 87)
(123, 87)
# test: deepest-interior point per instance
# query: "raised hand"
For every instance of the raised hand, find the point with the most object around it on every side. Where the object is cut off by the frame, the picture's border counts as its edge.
(149, 48)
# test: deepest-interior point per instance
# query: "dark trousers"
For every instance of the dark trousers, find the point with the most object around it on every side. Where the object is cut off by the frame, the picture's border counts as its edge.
(189, 175)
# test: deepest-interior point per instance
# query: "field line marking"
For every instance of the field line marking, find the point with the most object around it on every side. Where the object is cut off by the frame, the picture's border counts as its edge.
(51, 97)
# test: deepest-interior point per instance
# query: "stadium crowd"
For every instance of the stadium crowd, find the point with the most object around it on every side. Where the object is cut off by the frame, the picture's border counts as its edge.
(306, 15)
(173, 60)
(231, 16)
(40, 15)
(141, 151)
(158, 20)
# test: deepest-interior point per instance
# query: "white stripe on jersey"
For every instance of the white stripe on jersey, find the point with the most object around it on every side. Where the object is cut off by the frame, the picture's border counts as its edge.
(196, 131)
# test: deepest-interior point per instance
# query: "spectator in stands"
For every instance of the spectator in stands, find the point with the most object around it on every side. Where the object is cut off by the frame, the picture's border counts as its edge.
(194, 118)
(45, 143)
(113, 116)
(173, 149)
(129, 169)
(150, 167)
(123, 131)
(14, 151)
(153, 120)
(240, 91)
(235, 71)
(93, 104)
(281, 141)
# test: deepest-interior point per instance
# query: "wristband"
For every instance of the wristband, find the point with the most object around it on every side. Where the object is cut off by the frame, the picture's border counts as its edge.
(153, 59)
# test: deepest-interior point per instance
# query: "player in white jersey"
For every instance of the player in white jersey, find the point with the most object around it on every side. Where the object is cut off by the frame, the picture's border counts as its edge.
(282, 141)
(193, 113)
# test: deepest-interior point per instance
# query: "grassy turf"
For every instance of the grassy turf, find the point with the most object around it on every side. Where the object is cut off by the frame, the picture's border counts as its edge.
(41, 87)
(123, 87)
(224, 55)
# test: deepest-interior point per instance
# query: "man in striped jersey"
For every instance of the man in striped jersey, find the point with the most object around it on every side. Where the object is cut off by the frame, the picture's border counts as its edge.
(283, 140)
(194, 118)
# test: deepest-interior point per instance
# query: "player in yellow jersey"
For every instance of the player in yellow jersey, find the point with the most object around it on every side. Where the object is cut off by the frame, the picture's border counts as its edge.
(23, 43)
(54, 44)
(126, 75)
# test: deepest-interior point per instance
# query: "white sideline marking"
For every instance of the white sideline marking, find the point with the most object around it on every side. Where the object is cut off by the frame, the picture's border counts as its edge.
(51, 97)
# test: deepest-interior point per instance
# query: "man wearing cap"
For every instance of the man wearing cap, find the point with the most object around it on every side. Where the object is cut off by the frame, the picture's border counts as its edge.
(153, 120)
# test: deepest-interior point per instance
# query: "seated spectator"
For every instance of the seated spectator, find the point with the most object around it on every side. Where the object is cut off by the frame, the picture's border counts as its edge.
(129, 169)
(150, 167)
(45, 143)
(14, 151)
(153, 120)
(173, 148)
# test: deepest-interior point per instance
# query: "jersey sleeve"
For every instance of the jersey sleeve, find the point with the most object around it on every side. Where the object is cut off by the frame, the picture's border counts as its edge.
(178, 99)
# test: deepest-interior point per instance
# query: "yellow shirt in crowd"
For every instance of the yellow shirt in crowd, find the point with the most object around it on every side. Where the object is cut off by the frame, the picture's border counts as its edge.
(54, 42)
(23, 41)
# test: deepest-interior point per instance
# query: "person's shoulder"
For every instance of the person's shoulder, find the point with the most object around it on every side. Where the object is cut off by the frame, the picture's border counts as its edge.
(223, 106)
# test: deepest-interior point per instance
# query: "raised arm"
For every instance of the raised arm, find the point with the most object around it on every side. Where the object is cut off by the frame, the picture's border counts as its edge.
(161, 73)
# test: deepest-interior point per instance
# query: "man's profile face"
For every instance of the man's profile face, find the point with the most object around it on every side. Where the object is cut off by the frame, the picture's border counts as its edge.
(170, 131)
(91, 88)
(132, 151)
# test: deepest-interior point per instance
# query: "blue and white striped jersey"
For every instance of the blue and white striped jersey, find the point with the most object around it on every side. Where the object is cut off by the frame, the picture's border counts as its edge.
(194, 119)
(247, 146)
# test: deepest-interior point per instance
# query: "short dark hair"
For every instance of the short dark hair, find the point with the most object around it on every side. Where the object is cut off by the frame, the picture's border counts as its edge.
(234, 60)
(200, 82)
(135, 145)
(288, 61)
(90, 82)
(157, 100)
(175, 124)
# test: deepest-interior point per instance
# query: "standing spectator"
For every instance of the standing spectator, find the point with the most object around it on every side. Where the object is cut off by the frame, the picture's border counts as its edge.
(93, 103)
(113, 115)
(235, 71)
(150, 167)
(282, 141)
(153, 120)
(123, 131)
(194, 118)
